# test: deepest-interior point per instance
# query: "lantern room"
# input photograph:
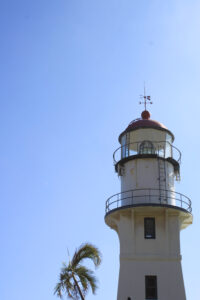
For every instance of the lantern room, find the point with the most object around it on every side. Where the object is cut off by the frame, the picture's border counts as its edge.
(146, 137)
(147, 163)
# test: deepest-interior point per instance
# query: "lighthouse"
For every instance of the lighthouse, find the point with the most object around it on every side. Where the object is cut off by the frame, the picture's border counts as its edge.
(148, 214)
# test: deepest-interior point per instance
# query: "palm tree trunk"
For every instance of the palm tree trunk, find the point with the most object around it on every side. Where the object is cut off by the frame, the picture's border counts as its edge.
(78, 287)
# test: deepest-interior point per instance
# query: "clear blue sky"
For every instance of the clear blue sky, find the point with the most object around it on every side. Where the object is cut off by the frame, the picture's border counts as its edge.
(71, 75)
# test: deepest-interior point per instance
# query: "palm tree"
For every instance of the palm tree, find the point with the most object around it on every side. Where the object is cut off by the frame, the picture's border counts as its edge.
(76, 279)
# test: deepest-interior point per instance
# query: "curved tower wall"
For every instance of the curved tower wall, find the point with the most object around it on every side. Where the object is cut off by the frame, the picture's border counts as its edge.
(143, 173)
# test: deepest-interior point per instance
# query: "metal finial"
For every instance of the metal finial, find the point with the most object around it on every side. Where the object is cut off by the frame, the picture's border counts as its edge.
(147, 99)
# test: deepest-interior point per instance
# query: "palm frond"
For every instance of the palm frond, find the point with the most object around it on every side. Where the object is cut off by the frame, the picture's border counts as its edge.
(86, 251)
(64, 285)
(87, 278)
(58, 289)
(75, 279)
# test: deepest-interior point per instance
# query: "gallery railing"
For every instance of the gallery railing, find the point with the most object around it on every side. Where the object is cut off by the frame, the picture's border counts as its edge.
(148, 196)
(162, 149)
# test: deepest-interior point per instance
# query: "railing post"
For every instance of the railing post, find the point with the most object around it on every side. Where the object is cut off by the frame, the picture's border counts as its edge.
(107, 206)
(172, 155)
(164, 149)
(128, 149)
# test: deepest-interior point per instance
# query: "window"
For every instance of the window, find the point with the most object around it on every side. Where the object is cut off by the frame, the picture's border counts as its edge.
(146, 147)
(149, 228)
(151, 287)
(125, 146)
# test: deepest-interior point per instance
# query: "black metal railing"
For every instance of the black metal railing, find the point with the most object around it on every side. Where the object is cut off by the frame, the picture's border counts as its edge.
(142, 197)
(162, 149)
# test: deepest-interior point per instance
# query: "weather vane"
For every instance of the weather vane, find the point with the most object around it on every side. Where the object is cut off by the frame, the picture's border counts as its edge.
(147, 99)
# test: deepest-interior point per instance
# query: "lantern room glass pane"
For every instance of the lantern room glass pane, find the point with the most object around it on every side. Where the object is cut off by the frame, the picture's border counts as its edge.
(125, 146)
(146, 147)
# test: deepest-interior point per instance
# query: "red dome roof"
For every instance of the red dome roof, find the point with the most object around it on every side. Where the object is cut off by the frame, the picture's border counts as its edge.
(145, 122)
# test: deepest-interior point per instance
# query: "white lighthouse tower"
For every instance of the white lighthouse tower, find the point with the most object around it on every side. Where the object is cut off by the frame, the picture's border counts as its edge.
(148, 214)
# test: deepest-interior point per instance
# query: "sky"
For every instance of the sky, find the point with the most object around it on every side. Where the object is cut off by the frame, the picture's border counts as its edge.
(71, 75)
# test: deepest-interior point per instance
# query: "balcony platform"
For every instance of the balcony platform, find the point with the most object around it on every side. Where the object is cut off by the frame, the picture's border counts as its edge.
(148, 197)
(130, 203)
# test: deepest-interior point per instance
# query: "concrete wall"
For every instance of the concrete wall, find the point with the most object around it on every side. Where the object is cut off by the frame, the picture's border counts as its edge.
(140, 257)
(130, 228)
(132, 279)
(143, 173)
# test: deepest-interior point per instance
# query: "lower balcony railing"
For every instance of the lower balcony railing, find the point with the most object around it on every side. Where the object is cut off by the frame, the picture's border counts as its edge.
(148, 196)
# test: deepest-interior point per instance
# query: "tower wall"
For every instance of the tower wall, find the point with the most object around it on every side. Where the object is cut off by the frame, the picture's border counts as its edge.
(140, 257)
(144, 173)
(169, 279)
(148, 215)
